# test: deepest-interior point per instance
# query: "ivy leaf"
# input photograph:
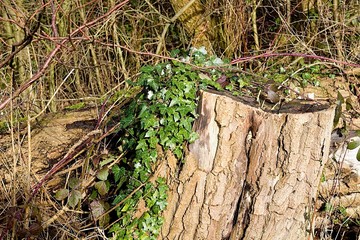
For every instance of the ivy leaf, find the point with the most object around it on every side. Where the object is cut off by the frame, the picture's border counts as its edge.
(101, 187)
(193, 137)
(116, 228)
(150, 133)
(153, 141)
(153, 155)
(162, 204)
(126, 121)
(187, 124)
(153, 84)
(174, 53)
(141, 145)
(171, 143)
(150, 122)
(144, 176)
(118, 172)
(144, 113)
(178, 152)
(146, 69)
(93, 195)
(174, 101)
(176, 116)
(126, 206)
(74, 198)
(62, 194)
(103, 174)
(184, 133)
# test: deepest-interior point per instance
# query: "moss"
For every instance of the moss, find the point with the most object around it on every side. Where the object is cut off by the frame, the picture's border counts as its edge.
(76, 106)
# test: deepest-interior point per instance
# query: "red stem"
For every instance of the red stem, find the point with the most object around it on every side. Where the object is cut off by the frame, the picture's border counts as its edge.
(49, 59)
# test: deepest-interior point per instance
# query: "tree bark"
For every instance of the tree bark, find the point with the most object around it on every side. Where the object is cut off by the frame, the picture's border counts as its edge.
(251, 174)
(194, 22)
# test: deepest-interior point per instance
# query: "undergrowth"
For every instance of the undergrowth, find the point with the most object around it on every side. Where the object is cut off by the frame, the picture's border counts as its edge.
(162, 114)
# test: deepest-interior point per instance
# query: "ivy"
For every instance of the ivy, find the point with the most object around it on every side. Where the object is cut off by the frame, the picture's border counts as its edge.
(162, 114)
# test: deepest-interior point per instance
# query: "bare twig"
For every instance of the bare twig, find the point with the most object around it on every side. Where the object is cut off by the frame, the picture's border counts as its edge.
(50, 57)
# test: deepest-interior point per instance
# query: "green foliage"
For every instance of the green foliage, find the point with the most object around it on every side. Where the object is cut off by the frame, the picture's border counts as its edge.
(76, 106)
(73, 195)
(160, 115)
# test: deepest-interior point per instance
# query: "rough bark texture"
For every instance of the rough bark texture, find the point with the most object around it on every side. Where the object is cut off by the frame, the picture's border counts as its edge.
(251, 174)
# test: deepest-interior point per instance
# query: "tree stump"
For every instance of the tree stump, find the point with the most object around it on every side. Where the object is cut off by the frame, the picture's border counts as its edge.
(251, 174)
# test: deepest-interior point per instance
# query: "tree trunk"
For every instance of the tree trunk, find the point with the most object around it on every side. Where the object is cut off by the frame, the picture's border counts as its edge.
(195, 23)
(251, 174)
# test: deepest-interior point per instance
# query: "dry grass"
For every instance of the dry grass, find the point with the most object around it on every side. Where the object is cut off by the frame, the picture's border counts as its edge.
(95, 62)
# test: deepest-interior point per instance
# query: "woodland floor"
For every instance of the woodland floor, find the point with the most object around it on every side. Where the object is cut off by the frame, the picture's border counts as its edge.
(55, 134)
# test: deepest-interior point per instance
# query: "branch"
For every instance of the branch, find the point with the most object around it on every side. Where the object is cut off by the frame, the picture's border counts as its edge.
(265, 55)
(49, 59)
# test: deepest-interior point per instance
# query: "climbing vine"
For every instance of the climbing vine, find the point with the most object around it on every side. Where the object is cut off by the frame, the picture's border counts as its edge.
(162, 114)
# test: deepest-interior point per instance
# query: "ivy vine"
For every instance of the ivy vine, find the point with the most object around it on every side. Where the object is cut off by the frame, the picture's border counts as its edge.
(162, 114)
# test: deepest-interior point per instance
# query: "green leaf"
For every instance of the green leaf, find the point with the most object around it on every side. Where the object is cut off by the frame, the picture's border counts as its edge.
(144, 113)
(153, 84)
(193, 137)
(358, 155)
(187, 124)
(118, 172)
(106, 161)
(74, 198)
(126, 206)
(353, 144)
(93, 195)
(147, 69)
(162, 204)
(174, 53)
(178, 152)
(141, 145)
(103, 174)
(306, 76)
(171, 143)
(144, 176)
(101, 187)
(176, 116)
(127, 120)
(282, 69)
(150, 133)
(62, 194)
(174, 102)
(151, 121)
(74, 183)
(116, 228)
(340, 97)
(153, 141)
